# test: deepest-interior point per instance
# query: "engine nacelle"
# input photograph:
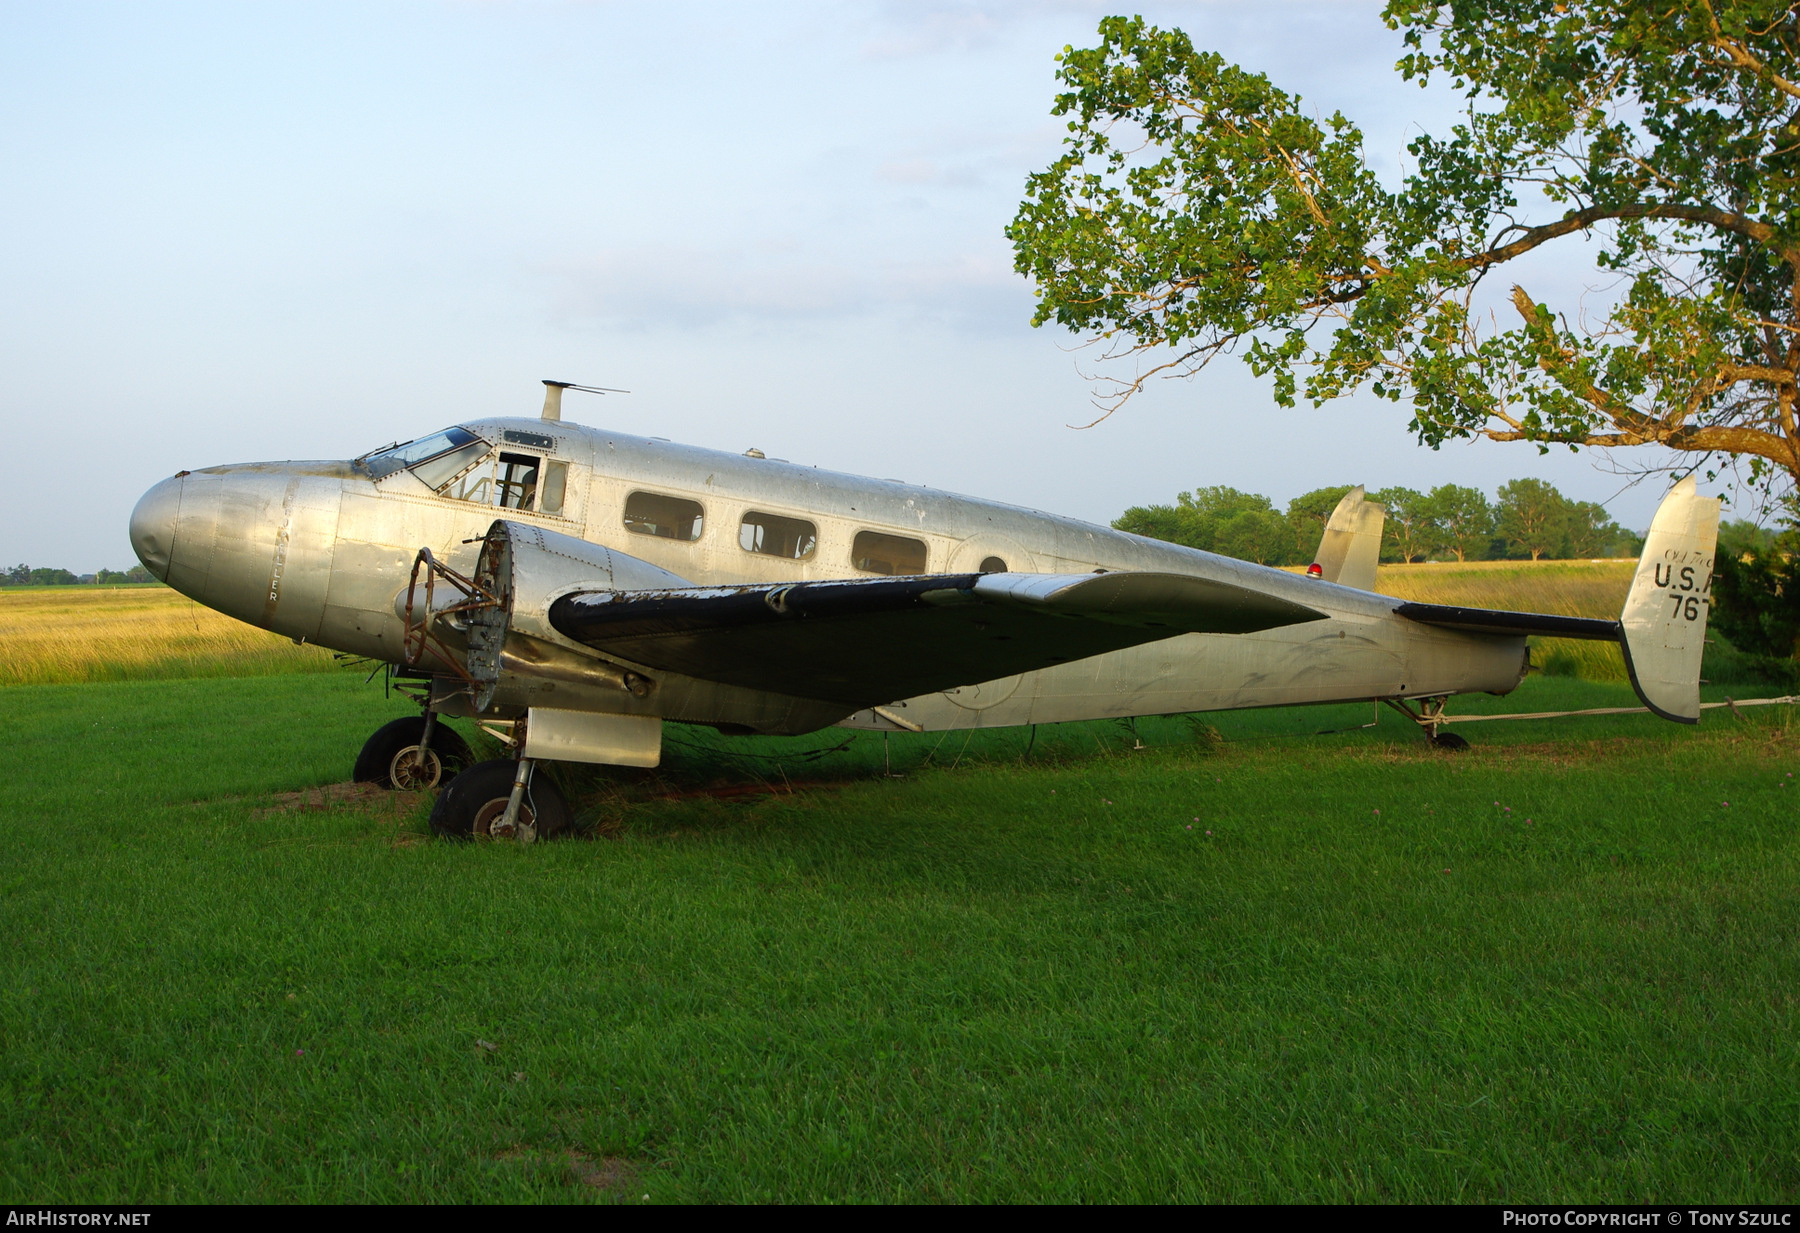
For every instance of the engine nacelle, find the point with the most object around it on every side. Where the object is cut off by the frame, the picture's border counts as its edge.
(525, 569)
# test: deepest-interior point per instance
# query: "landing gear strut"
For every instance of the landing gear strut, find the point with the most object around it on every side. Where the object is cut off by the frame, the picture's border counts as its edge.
(502, 799)
(1430, 716)
(413, 754)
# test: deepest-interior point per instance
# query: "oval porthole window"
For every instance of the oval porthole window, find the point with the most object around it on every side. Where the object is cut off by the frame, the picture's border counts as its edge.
(993, 565)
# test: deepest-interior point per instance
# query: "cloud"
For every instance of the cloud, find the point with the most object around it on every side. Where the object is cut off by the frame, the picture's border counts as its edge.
(922, 172)
(912, 28)
(930, 29)
(653, 288)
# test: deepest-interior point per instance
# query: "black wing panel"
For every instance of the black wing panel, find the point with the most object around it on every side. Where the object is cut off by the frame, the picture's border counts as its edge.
(865, 642)
(1492, 621)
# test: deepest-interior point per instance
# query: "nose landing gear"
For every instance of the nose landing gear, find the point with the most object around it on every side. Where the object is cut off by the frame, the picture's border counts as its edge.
(502, 799)
(414, 754)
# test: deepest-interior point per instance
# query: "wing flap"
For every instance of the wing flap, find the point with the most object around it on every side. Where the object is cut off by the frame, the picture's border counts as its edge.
(864, 642)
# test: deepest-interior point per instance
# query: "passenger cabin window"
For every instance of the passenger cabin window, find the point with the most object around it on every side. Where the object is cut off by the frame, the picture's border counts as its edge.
(993, 565)
(516, 485)
(652, 513)
(875, 553)
(775, 536)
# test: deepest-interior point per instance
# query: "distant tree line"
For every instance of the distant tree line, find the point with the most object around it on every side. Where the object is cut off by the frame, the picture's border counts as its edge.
(1529, 520)
(42, 576)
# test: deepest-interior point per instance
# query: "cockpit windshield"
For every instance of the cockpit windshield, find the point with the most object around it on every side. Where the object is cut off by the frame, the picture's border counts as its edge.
(440, 450)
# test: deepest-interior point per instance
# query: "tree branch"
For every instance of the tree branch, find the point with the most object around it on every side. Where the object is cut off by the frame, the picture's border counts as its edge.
(1581, 220)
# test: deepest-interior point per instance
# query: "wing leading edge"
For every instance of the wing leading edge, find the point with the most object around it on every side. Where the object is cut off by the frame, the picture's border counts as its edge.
(865, 642)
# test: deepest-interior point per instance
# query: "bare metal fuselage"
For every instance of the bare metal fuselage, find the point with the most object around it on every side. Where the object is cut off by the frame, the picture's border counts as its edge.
(321, 552)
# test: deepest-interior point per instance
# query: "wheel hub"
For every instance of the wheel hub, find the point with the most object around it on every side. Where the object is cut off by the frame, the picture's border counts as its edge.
(490, 820)
(416, 768)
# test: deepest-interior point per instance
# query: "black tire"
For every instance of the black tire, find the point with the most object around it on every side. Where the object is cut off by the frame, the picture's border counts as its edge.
(392, 757)
(1450, 741)
(478, 796)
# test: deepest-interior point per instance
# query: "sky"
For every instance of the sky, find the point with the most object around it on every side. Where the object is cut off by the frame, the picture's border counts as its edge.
(301, 230)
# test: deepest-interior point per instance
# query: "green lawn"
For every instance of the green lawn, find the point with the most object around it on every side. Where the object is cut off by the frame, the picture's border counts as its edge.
(1556, 968)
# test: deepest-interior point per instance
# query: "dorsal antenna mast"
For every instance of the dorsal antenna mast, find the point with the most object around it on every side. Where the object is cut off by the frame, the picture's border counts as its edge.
(553, 395)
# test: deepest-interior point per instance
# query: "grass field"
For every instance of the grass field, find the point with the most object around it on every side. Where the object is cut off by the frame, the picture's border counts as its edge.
(1242, 963)
(1258, 956)
(51, 635)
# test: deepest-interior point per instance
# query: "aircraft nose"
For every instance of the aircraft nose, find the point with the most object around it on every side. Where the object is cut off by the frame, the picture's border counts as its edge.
(153, 526)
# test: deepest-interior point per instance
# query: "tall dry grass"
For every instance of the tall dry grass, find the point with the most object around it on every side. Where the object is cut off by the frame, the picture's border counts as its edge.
(56, 635)
(1565, 588)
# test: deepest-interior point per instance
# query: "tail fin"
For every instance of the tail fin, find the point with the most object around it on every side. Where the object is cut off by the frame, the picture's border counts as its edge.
(1352, 543)
(1663, 627)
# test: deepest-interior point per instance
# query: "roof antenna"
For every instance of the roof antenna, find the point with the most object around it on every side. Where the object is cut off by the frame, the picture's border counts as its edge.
(553, 395)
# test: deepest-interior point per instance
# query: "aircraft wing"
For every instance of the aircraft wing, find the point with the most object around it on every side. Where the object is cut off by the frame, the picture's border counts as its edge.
(865, 642)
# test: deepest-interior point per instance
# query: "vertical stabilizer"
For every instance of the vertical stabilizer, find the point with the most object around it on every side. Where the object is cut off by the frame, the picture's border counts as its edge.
(1351, 545)
(1663, 627)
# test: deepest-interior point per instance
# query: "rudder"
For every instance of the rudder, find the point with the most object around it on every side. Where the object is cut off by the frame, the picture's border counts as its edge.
(1663, 626)
(1351, 545)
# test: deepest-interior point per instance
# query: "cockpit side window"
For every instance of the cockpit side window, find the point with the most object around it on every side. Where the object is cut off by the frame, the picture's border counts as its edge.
(517, 484)
(439, 471)
(556, 484)
(385, 462)
(463, 466)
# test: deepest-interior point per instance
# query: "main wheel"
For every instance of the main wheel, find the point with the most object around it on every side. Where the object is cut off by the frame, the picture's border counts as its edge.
(395, 758)
(1450, 741)
(472, 804)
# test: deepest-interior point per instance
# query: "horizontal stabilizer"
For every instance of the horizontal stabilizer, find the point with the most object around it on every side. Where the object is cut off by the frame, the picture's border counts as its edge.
(1662, 630)
(1491, 621)
(870, 641)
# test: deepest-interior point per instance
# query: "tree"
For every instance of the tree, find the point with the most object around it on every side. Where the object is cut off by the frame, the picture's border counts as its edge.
(1407, 534)
(1463, 519)
(1169, 523)
(1309, 513)
(1198, 209)
(1216, 519)
(1533, 518)
(1756, 599)
(1589, 531)
(1256, 535)
(1738, 536)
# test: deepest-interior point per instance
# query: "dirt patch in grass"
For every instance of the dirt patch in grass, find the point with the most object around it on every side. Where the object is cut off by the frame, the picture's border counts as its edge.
(338, 795)
(583, 1169)
(606, 1173)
